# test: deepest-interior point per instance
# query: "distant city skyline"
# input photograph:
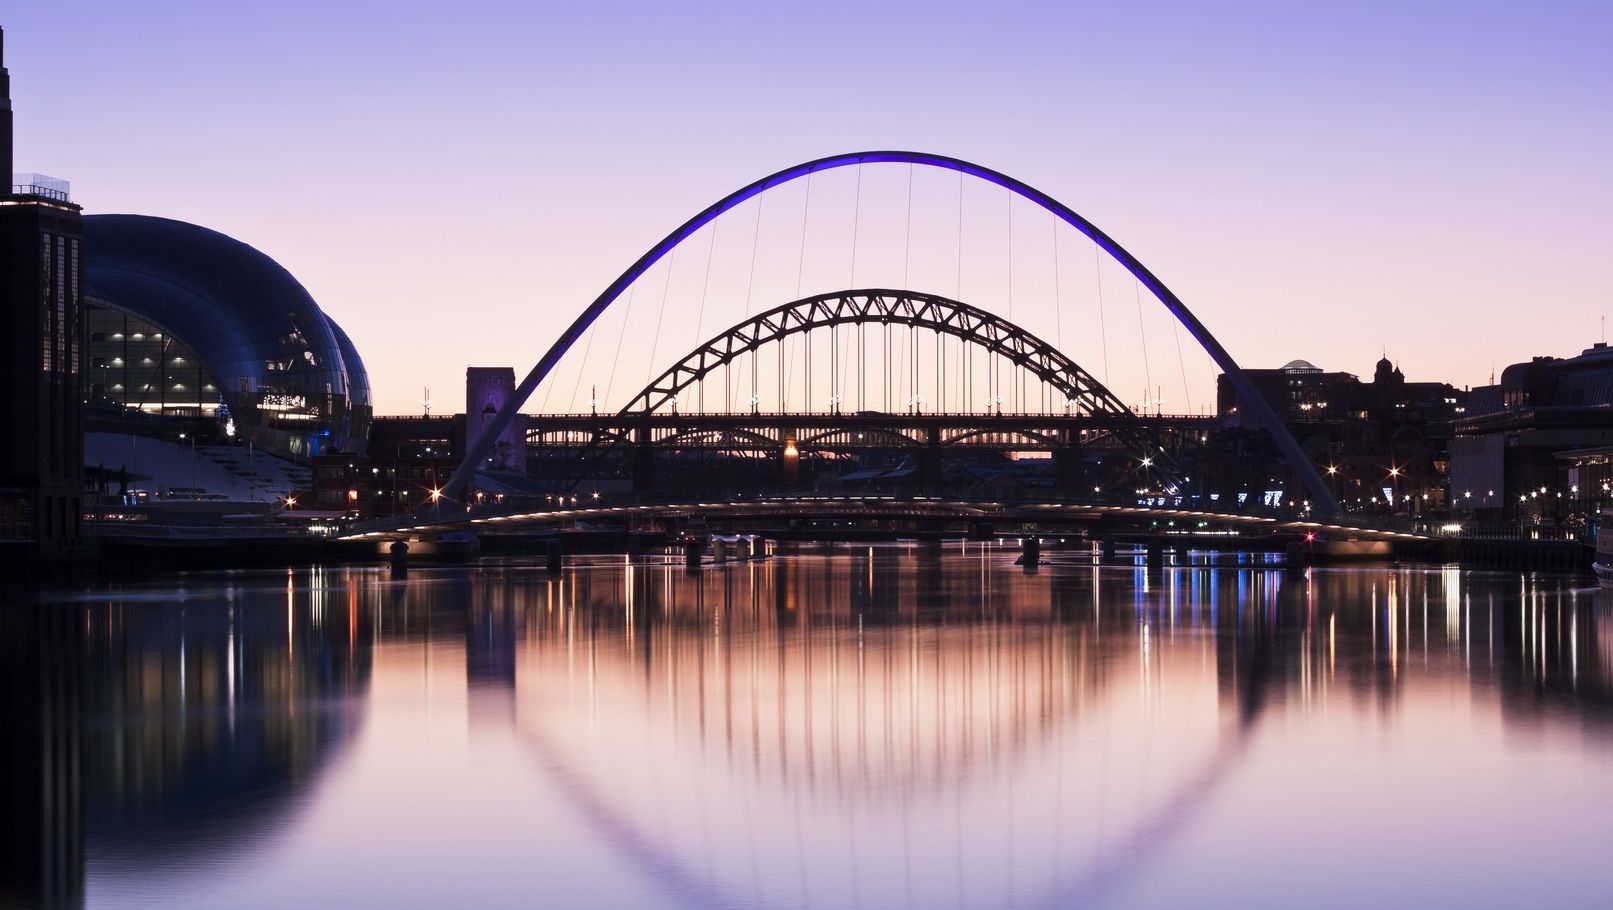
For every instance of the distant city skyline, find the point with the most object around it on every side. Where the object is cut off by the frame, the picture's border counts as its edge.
(454, 184)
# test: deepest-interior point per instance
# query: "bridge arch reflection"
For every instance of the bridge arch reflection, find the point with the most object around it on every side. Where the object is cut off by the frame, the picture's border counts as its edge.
(810, 715)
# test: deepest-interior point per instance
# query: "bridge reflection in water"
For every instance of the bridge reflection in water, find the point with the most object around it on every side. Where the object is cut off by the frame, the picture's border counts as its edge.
(873, 726)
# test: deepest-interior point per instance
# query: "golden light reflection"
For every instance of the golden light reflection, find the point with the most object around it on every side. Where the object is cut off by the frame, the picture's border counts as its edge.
(944, 708)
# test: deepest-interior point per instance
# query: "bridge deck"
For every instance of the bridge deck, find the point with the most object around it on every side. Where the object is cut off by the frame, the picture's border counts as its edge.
(1043, 511)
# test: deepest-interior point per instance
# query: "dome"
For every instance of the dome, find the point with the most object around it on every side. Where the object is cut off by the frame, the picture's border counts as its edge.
(288, 376)
(1301, 366)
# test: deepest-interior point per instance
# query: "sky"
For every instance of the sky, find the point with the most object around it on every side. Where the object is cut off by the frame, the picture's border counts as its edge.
(453, 183)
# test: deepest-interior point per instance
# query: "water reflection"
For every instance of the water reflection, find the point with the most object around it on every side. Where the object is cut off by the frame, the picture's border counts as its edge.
(879, 726)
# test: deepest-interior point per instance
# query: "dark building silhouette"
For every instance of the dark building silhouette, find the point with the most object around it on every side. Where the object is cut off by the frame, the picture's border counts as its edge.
(1366, 438)
(41, 412)
(1518, 435)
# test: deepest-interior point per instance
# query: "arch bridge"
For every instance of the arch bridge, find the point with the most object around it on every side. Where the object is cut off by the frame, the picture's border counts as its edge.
(1089, 395)
(1078, 418)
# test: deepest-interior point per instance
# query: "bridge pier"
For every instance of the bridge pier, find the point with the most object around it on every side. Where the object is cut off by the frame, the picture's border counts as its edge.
(1298, 555)
(1030, 553)
(789, 462)
(643, 458)
(693, 549)
(1067, 467)
(930, 459)
(1106, 549)
(1156, 555)
(398, 553)
(556, 559)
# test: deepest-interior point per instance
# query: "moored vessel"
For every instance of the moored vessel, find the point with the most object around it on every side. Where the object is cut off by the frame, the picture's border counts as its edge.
(1602, 565)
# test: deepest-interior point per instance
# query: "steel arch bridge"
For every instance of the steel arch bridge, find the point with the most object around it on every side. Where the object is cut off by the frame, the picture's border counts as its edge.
(1081, 410)
(479, 449)
(1078, 388)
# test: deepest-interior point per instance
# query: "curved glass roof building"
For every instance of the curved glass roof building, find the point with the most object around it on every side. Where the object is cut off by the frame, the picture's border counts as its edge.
(184, 322)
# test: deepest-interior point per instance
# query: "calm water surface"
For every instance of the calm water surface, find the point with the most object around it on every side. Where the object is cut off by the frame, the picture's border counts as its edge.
(851, 727)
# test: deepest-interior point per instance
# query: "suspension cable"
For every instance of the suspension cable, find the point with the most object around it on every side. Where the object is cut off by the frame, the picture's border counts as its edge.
(856, 218)
(800, 259)
(1187, 393)
(1142, 334)
(700, 317)
(1058, 295)
(1103, 327)
(750, 285)
(655, 343)
(588, 347)
(1010, 196)
(705, 285)
(957, 287)
(616, 361)
(907, 239)
(786, 372)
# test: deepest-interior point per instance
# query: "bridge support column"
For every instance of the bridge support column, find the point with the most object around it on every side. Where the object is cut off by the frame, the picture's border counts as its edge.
(1106, 549)
(982, 530)
(1156, 555)
(789, 463)
(930, 459)
(1030, 553)
(693, 549)
(643, 469)
(398, 553)
(556, 559)
(1067, 468)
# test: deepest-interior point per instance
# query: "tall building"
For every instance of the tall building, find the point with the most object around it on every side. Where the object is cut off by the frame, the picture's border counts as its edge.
(1513, 454)
(1381, 445)
(41, 411)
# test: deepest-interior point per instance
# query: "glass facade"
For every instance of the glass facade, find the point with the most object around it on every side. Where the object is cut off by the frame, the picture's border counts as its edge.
(187, 322)
(134, 364)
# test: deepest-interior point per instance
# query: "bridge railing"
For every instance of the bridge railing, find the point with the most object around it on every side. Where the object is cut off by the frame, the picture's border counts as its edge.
(582, 506)
(848, 412)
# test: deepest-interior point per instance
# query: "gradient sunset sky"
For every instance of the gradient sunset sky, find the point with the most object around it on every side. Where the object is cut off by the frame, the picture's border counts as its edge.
(454, 182)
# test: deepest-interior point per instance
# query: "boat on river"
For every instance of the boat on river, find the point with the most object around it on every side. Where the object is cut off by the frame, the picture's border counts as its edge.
(1602, 565)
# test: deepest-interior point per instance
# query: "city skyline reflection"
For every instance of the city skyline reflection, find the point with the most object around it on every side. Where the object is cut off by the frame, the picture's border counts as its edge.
(841, 726)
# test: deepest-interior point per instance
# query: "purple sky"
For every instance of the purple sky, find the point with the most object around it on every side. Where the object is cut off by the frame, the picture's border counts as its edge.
(454, 182)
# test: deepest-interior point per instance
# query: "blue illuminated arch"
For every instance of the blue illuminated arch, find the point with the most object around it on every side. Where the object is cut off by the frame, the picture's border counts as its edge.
(1321, 498)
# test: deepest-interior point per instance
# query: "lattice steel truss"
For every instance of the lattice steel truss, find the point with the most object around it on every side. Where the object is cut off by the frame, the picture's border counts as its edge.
(1080, 390)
